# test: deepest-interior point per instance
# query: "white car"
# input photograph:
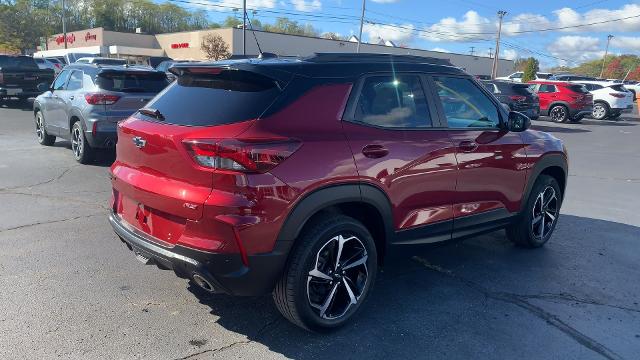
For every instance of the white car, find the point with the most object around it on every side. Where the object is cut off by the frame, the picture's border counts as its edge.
(101, 61)
(46, 64)
(517, 76)
(610, 99)
(633, 86)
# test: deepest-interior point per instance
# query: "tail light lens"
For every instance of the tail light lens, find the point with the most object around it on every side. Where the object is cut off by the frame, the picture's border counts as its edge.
(246, 155)
(618, 95)
(518, 98)
(101, 99)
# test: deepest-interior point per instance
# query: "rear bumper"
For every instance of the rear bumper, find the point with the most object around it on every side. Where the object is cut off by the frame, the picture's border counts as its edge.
(226, 272)
(102, 139)
(25, 93)
(584, 111)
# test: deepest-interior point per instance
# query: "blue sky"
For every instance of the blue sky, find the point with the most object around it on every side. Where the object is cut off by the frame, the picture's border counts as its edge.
(456, 25)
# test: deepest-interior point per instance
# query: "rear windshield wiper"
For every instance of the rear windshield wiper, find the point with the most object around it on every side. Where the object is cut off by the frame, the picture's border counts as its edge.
(154, 113)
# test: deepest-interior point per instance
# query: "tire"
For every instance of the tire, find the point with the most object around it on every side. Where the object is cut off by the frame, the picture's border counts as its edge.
(82, 151)
(532, 233)
(303, 293)
(559, 113)
(600, 111)
(41, 132)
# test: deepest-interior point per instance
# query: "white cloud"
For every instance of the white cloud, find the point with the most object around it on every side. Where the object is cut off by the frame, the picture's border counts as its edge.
(385, 1)
(448, 29)
(252, 4)
(388, 32)
(439, 49)
(576, 48)
(303, 5)
(626, 43)
(509, 54)
(569, 17)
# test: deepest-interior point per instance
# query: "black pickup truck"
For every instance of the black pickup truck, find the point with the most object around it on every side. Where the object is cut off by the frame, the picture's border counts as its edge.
(20, 77)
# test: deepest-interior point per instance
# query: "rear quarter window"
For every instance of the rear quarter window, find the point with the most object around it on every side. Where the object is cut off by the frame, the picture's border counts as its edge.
(208, 99)
(578, 88)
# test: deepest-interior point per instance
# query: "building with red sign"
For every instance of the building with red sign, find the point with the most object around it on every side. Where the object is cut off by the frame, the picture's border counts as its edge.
(138, 48)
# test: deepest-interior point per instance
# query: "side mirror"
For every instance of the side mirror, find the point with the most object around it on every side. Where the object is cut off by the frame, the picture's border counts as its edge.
(518, 122)
(43, 87)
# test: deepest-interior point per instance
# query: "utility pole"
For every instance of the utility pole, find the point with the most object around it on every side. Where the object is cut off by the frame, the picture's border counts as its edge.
(494, 70)
(473, 48)
(64, 24)
(244, 28)
(606, 51)
(490, 53)
(361, 24)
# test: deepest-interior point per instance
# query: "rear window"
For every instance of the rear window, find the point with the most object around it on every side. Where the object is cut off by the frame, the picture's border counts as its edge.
(213, 99)
(620, 88)
(543, 76)
(518, 89)
(132, 82)
(578, 88)
(17, 62)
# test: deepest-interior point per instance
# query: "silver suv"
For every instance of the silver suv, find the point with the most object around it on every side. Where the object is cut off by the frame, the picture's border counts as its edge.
(86, 101)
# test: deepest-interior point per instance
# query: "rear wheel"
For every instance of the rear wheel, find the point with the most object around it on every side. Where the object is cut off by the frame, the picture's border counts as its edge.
(539, 219)
(600, 111)
(82, 151)
(329, 275)
(559, 113)
(41, 132)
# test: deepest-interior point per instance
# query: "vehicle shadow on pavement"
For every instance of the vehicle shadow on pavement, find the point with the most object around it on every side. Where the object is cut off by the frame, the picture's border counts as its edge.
(480, 298)
(17, 104)
(101, 158)
(557, 129)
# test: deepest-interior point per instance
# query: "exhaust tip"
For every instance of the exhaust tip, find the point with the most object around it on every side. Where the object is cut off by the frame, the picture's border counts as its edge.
(202, 283)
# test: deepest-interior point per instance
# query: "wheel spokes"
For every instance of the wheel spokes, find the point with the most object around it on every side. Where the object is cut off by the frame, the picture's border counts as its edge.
(362, 260)
(328, 301)
(315, 273)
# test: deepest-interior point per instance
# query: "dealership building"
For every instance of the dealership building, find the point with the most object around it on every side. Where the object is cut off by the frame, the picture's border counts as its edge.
(138, 48)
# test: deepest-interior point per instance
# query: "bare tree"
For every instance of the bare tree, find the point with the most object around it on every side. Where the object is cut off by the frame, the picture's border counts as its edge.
(214, 47)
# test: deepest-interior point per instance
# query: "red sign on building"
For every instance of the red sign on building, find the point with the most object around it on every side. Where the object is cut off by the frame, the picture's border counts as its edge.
(180, 46)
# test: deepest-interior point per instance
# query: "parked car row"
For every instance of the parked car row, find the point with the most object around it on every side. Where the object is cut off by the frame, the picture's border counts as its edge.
(297, 178)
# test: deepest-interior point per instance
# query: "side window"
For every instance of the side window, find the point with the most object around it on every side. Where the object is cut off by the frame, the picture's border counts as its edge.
(517, 76)
(393, 102)
(465, 105)
(547, 88)
(61, 80)
(75, 81)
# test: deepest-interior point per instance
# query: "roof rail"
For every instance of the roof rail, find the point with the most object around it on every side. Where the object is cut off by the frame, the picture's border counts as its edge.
(372, 57)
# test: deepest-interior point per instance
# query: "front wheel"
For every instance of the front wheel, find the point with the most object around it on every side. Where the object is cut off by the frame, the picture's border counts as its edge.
(329, 274)
(82, 151)
(41, 131)
(539, 218)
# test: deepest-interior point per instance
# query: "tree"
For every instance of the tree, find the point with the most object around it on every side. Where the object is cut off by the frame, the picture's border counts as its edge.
(231, 21)
(333, 36)
(214, 47)
(520, 64)
(285, 25)
(530, 69)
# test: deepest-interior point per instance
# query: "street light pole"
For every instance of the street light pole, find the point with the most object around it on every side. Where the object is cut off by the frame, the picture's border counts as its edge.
(361, 24)
(606, 51)
(494, 70)
(244, 28)
(64, 23)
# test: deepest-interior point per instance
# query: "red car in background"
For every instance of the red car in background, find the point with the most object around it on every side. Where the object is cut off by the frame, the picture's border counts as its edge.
(563, 101)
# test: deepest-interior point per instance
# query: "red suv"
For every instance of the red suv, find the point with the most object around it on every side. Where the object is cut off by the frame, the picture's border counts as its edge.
(563, 101)
(297, 177)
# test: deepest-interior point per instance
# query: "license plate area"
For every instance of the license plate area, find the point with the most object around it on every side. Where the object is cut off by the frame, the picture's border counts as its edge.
(13, 91)
(165, 228)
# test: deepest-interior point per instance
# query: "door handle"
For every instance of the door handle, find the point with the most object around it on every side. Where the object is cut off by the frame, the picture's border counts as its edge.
(71, 97)
(468, 146)
(374, 151)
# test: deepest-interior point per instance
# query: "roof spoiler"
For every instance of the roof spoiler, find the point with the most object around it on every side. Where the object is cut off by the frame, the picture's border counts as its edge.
(378, 58)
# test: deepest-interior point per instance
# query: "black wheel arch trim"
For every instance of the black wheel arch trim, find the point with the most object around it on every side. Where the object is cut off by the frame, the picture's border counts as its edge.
(325, 197)
(546, 162)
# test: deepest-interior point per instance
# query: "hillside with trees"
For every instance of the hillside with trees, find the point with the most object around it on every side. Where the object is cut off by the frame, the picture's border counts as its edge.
(616, 67)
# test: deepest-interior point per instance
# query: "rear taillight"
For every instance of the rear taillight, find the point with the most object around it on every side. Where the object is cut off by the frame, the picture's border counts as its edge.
(246, 155)
(101, 99)
(618, 95)
(518, 98)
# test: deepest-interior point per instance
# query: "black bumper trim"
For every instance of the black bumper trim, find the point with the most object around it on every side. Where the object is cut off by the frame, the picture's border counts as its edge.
(225, 272)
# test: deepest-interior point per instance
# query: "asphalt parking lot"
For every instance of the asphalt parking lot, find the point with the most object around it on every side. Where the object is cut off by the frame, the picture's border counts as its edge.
(70, 289)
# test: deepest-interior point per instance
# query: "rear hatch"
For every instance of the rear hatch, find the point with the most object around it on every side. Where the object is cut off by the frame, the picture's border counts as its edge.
(520, 96)
(155, 177)
(622, 93)
(583, 98)
(132, 89)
